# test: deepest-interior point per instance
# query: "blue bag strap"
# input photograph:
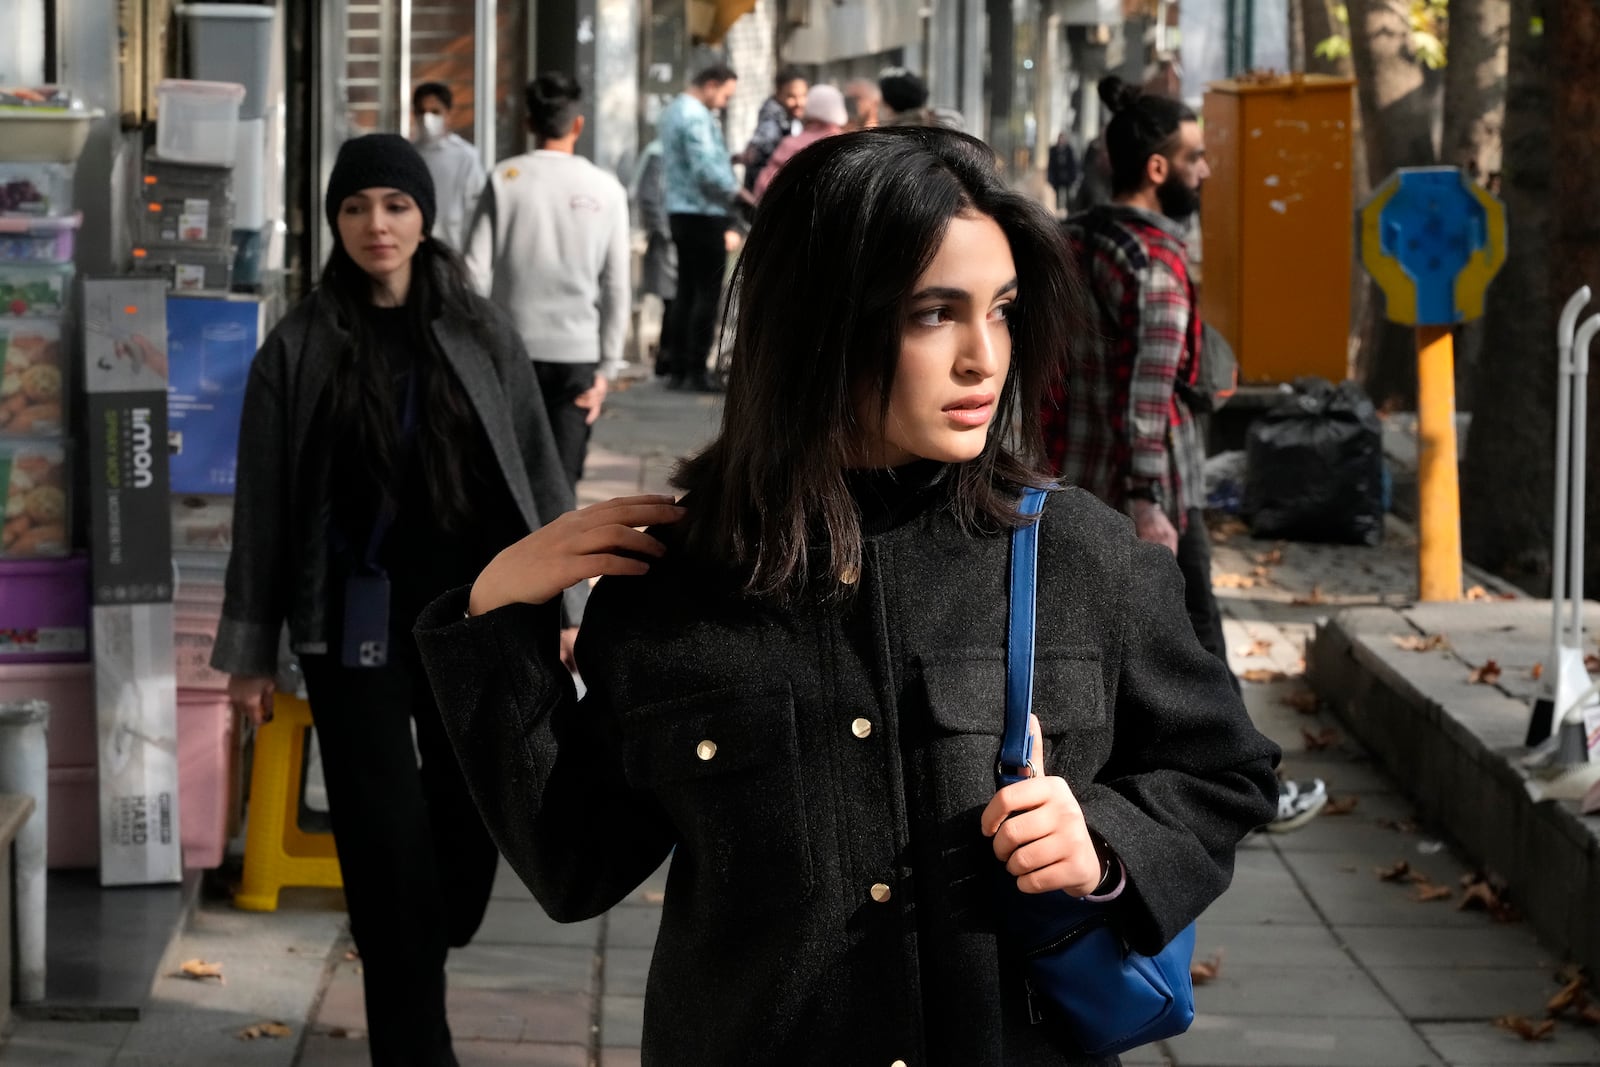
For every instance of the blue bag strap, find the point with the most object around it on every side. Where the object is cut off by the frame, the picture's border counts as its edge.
(1015, 744)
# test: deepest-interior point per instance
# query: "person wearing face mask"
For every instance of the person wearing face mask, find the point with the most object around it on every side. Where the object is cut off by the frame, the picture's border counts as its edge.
(1121, 422)
(458, 175)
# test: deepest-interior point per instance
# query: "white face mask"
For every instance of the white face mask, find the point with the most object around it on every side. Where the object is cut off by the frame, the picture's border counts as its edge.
(432, 125)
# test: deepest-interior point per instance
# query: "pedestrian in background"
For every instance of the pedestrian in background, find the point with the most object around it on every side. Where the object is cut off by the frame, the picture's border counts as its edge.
(796, 677)
(551, 247)
(1118, 423)
(780, 116)
(392, 441)
(824, 117)
(658, 272)
(453, 162)
(906, 97)
(862, 100)
(701, 190)
(1062, 170)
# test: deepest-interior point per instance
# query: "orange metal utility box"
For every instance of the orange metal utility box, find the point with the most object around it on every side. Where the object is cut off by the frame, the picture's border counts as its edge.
(1278, 223)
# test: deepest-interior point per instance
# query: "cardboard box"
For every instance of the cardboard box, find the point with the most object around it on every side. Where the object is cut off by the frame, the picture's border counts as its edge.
(125, 376)
(212, 341)
(136, 703)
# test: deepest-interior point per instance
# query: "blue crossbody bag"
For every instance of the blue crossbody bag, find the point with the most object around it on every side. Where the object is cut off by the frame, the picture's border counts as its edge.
(1079, 972)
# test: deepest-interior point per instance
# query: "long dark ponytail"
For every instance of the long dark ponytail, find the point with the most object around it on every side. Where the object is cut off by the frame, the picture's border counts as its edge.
(362, 401)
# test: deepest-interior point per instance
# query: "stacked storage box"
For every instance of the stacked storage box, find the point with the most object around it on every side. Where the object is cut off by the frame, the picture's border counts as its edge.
(207, 749)
(44, 589)
(186, 206)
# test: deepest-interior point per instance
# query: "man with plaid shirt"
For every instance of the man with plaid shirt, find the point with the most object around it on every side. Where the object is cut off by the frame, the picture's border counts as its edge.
(1119, 425)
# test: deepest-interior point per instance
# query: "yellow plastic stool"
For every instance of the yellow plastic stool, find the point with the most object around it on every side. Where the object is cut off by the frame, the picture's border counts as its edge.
(276, 851)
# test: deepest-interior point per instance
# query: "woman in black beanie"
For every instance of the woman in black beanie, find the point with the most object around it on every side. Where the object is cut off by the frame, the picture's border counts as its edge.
(393, 441)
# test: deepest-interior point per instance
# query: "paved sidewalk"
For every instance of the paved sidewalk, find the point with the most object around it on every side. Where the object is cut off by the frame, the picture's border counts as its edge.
(1321, 963)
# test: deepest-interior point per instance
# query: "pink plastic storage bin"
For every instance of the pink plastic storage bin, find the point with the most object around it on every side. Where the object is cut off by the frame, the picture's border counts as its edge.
(194, 633)
(69, 690)
(44, 610)
(43, 240)
(205, 776)
(73, 830)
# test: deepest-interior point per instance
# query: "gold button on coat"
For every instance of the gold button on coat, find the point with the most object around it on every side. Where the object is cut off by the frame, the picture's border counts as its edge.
(862, 728)
(706, 749)
(881, 892)
(850, 575)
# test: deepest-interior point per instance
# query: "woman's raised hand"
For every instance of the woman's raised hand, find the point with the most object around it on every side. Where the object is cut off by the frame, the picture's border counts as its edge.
(593, 541)
(1039, 832)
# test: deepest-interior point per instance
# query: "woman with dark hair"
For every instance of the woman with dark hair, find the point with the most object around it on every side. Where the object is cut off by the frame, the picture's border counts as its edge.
(798, 690)
(393, 441)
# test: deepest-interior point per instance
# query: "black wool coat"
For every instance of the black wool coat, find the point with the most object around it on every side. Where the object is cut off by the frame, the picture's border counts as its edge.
(817, 775)
(278, 569)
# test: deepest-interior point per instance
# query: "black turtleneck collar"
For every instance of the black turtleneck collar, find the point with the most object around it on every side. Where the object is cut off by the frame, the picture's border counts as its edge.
(888, 497)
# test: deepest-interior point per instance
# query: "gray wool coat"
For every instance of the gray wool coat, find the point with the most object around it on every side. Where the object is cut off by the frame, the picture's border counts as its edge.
(277, 571)
(817, 776)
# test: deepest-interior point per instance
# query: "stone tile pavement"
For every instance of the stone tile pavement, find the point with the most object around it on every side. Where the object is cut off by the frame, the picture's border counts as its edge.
(1321, 964)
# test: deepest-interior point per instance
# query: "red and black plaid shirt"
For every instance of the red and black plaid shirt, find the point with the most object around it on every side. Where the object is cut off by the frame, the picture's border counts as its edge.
(1116, 417)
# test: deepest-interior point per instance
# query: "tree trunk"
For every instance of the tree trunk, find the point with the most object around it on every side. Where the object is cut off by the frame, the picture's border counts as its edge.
(1510, 465)
(1574, 34)
(1474, 111)
(1398, 103)
(1318, 24)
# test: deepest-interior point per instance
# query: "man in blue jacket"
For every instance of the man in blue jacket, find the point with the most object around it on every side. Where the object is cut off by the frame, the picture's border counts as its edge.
(700, 188)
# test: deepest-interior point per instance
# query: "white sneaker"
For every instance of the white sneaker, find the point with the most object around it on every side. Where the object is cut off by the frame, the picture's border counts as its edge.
(1298, 804)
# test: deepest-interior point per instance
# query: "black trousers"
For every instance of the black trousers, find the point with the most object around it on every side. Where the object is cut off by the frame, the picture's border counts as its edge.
(702, 259)
(561, 384)
(418, 864)
(1194, 560)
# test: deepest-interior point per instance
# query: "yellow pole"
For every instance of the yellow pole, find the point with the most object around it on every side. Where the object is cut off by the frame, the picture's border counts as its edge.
(1438, 491)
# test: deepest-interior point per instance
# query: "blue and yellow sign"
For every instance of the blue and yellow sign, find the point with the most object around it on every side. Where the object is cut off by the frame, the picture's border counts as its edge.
(1432, 240)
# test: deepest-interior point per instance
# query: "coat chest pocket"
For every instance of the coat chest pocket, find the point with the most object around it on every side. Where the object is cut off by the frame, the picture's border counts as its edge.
(725, 766)
(966, 693)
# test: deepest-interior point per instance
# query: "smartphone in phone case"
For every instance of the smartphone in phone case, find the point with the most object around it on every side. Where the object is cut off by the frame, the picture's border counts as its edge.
(366, 621)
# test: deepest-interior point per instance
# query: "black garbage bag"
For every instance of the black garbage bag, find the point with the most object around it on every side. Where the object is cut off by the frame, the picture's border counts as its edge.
(1314, 467)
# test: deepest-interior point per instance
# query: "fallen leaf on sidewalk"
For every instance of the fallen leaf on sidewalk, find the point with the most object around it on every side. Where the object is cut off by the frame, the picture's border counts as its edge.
(1258, 647)
(1340, 805)
(352, 954)
(267, 1029)
(1525, 1028)
(1590, 1015)
(1488, 674)
(1316, 742)
(1302, 700)
(1227, 529)
(1400, 872)
(1427, 892)
(653, 896)
(1575, 994)
(1203, 971)
(1261, 574)
(200, 970)
(1418, 643)
(1271, 559)
(1262, 675)
(1477, 592)
(1314, 597)
(1399, 826)
(1227, 580)
(1479, 895)
(1537, 672)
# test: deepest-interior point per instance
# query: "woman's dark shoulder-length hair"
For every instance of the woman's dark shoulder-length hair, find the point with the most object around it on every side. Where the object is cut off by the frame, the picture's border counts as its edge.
(821, 291)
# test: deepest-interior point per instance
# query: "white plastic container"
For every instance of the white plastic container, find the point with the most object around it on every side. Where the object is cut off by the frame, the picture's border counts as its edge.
(44, 134)
(199, 121)
(250, 175)
(232, 42)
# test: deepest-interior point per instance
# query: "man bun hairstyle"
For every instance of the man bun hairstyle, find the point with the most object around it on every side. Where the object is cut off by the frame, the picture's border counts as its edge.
(1142, 125)
(716, 74)
(553, 102)
(902, 90)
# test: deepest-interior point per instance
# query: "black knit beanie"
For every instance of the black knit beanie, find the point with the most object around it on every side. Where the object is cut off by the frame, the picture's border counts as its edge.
(379, 161)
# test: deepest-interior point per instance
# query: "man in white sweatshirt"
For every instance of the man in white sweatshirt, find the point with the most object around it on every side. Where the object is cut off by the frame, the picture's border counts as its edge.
(550, 245)
(453, 162)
